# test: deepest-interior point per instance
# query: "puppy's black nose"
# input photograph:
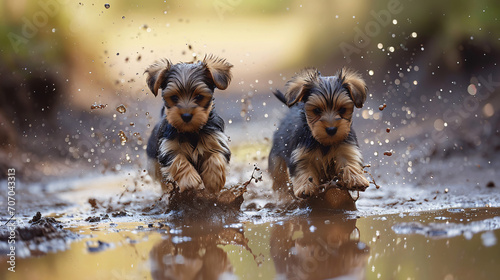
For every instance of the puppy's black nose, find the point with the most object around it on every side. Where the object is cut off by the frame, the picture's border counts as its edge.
(331, 130)
(186, 117)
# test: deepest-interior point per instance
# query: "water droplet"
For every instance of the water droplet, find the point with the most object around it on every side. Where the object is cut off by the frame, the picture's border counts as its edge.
(471, 89)
(489, 239)
(439, 124)
(107, 6)
(414, 34)
(488, 110)
(98, 106)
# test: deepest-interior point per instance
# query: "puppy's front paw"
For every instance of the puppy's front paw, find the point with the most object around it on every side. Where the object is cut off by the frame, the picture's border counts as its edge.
(354, 180)
(190, 181)
(305, 189)
(214, 172)
(215, 184)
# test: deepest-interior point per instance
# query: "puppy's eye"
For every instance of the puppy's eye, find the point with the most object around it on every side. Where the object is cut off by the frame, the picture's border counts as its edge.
(198, 97)
(174, 98)
(342, 110)
(317, 111)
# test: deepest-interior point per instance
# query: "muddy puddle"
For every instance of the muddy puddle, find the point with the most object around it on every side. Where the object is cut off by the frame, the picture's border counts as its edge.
(120, 226)
(453, 243)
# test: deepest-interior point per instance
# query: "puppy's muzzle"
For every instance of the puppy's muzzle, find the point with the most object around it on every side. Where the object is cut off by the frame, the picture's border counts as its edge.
(331, 130)
(186, 117)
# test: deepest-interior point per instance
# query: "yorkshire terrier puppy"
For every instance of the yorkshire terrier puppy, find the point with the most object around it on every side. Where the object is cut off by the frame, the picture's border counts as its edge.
(188, 146)
(315, 142)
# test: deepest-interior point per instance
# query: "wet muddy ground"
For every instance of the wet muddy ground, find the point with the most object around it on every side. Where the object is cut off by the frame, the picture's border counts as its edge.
(117, 226)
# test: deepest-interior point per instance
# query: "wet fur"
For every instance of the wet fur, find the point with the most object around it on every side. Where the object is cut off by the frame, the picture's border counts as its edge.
(302, 151)
(194, 153)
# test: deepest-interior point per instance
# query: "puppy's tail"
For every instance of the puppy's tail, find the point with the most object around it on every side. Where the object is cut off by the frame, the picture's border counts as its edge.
(280, 96)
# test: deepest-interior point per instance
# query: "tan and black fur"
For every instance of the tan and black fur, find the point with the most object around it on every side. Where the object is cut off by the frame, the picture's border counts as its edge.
(315, 142)
(188, 145)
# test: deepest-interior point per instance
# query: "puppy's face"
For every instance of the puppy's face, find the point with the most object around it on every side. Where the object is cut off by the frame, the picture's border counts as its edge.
(329, 114)
(328, 102)
(187, 89)
(187, 97)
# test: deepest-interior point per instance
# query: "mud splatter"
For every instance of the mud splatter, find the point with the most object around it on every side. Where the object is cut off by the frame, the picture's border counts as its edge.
(121, 109)
(44, 235)
(98, 106)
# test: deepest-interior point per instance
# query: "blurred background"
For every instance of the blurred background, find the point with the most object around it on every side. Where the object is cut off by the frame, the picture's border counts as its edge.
(73, 98)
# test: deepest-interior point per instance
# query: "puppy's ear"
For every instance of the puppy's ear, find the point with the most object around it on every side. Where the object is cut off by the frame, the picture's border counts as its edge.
(220, 70)
(356, 86)
(157, 73)
(300, 84)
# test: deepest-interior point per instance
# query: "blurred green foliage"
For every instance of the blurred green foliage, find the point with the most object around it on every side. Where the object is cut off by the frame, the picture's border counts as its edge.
(448, 23)
(32, 32)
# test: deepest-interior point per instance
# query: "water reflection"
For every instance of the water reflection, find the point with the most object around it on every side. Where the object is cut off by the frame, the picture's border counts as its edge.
(194, 252)
(318, 249)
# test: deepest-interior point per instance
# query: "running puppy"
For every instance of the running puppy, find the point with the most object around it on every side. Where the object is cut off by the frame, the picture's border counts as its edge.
(315, 142)
(188, 145)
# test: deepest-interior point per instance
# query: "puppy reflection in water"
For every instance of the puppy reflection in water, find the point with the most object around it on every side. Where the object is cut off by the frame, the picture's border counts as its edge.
(302, 250)
(196, 254)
